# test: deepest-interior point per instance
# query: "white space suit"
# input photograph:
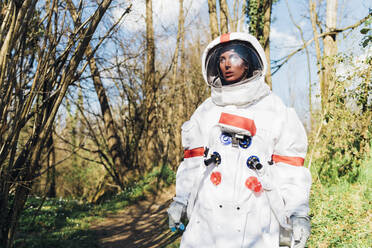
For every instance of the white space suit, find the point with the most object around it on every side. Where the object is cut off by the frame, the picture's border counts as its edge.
(229, 203)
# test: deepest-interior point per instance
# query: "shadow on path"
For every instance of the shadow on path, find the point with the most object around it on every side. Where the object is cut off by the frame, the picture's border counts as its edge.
(143, 225)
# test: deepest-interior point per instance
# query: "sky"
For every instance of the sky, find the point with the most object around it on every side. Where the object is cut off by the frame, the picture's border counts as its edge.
(291, 82)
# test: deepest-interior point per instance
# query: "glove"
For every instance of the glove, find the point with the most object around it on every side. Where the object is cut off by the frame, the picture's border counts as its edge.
(176, 211)
(301, 230)
(285, 237)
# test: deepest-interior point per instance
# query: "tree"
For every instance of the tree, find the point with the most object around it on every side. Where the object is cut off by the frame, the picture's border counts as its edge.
(150, 85)
(117, 168)
(259, 19)
(213, 22)
(177, 87)
(39, 61)
(329, 51)
(224, 17)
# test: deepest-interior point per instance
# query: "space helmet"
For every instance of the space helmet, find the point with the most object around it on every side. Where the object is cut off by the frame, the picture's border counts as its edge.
(245, 46)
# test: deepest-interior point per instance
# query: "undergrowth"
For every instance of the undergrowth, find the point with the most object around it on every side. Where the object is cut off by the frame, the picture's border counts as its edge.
(341, 213)
(63, 223)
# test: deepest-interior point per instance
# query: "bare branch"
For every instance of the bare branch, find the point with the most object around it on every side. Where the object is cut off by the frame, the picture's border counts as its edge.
(335, 31)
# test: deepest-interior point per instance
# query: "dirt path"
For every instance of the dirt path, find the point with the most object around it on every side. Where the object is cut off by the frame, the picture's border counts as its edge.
(142, 225)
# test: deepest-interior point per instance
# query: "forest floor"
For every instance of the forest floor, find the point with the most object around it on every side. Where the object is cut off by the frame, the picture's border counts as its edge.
(341, 217)
(144, 224)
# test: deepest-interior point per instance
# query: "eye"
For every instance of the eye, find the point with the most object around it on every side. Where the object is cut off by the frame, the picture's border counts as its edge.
(222, 60)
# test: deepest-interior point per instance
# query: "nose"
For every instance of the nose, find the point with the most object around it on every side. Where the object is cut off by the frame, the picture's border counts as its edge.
(227, 63)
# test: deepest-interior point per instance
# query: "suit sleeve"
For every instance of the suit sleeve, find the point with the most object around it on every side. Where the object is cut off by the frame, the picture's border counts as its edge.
(189, 169)
(294, 180)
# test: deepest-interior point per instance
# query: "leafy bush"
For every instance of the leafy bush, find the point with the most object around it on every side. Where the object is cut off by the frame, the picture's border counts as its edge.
(345, 127)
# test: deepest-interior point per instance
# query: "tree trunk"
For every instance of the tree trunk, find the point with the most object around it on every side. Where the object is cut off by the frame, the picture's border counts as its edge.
(266, 38)
(115, 146)
(114, 143)
(181, 94)
(150, 46)
(313, 18)
(259, 14)
(213, 22)
(178, 42)
(38, 108)
(241, 18)
(51, 172)
(255, 15)
(224, 17)
(150, 87)
(330, 50)
(235, 19)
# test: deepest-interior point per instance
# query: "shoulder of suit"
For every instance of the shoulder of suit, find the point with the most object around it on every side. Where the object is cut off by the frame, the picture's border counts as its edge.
(206, 106)
(274, 101)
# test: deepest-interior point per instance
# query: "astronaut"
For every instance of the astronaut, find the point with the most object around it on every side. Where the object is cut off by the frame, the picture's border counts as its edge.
(242, 182)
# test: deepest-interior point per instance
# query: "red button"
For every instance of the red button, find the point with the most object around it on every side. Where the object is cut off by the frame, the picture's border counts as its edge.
(216, 178)
(252, 183)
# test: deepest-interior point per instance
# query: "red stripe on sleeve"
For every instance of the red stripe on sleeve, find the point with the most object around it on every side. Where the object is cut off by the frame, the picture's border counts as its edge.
(225, 38)
(238, 121)
(295, 161)
(196, 152)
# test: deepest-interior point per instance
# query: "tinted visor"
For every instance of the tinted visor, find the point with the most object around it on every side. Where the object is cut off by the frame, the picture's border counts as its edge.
(244, 50)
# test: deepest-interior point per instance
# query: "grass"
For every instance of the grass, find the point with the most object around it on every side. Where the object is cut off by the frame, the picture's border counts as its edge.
(62, 223)
(58, 223)
(341, 214)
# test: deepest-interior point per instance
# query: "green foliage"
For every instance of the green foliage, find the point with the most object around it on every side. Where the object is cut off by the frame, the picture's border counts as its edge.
(58, 223)
(167, 175)
(341, 213)
(346, 132)
(255, 14)
(65, 223)
(255, 11)
(367, 31)
(174, 245)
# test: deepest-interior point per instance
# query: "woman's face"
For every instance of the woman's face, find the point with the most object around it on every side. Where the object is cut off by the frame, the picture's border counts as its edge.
(232, 66)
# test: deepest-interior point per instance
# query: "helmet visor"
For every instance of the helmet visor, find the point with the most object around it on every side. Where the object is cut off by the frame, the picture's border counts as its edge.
(244, 53)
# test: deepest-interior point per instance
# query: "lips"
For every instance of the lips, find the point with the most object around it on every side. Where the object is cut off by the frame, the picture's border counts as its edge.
(229, 74)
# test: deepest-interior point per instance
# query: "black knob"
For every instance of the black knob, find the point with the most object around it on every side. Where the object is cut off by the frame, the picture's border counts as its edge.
(215, 158)
(253, 162)
(245, 142)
